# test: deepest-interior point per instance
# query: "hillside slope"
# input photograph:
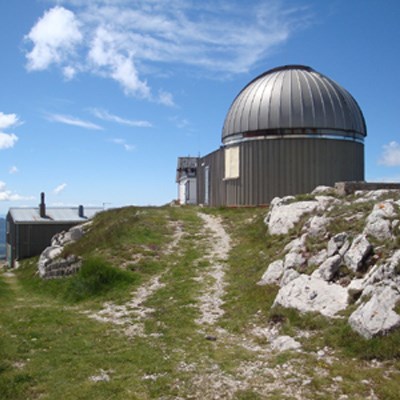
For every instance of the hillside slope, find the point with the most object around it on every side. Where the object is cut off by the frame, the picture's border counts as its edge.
(171, 309)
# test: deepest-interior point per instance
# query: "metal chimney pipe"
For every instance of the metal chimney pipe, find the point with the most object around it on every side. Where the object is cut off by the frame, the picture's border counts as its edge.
(81, 212)
(42, 206)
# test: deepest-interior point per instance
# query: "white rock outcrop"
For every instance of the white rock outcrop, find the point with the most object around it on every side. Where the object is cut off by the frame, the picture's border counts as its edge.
(328, 268)
(283, 217)
(379, 224)
(359, 250)
(377, 315)
(310, 294)
(273, 274)
(371, 280)
(50, 264)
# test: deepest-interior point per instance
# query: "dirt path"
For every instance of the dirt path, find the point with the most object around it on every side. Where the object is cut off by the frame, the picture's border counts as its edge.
(218, 243)
(131, 315)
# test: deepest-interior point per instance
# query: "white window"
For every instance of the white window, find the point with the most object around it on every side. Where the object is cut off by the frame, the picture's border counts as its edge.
(232, 162)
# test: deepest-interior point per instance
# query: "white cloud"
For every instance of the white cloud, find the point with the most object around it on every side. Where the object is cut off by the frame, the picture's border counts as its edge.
(69, 72)
(122, 142)
(68, 120)
(13, 170)
(8, 120)
(128, 41)
(166, 98)
(106, 116)
(54, 37)
(391, 155)
(60, 188)
(180, 123)
(8, 195)
(7, 140)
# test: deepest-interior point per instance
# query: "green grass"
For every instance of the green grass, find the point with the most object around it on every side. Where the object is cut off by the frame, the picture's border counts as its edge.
(49, 348)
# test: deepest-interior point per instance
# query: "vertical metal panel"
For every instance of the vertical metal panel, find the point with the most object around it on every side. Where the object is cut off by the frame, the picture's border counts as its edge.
(279, 167)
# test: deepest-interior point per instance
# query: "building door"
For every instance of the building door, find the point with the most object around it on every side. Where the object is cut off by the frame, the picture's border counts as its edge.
(207, 185)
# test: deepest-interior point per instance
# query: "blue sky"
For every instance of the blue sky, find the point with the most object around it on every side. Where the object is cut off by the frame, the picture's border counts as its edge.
(99, 98)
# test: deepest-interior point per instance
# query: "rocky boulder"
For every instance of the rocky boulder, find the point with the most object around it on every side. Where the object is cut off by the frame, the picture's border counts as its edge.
(379, 224)
(377, 316)
(283, 217)
(50, 264)
(310, 294)
(358, 252)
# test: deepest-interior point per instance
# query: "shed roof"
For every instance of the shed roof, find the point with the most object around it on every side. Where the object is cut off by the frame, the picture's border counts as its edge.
(53, 215)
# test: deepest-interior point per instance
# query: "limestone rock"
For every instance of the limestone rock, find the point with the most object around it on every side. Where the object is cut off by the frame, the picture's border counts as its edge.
(285, 343)
(283, 217)
(273, 273)
(288, 276)
(323, 190)
(360, 249)
(336, 243)
(377, 317)
(50, 264)
(378, 222)
(48, 255)
(316, 226)
(297, 245)
(355, 289)
(310, 294)
(329, 267)
(294, 260)
(319, 258)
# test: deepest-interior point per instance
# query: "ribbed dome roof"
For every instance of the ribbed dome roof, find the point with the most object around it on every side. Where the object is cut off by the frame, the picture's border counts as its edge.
(293, 99)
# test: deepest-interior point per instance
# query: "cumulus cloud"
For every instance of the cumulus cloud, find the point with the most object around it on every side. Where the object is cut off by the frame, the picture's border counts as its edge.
(122, 142)
(8, 195)
(8, 120)
(54, 38)
(7, 140)
(68, 120)
(60, 188)
(391, 155)
(13, 170)
(129, 41)
(106, 116)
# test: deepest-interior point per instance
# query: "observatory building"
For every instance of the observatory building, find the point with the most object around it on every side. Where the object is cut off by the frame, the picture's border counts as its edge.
(288, 131)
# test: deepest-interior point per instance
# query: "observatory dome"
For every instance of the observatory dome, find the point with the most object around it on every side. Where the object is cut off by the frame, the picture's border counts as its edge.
(292, 101)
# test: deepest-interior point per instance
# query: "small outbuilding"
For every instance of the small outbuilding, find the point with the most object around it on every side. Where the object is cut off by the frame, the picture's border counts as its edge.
(30, 230)
(186, 174)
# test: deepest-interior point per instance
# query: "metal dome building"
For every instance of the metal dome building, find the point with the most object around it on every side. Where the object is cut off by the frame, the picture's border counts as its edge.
(288, 131)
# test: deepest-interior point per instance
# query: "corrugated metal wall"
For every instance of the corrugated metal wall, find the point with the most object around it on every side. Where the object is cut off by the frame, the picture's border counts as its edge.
(279, 167)
(28, 240)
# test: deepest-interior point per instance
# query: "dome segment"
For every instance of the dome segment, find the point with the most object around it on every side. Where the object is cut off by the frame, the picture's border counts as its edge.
(293, 100)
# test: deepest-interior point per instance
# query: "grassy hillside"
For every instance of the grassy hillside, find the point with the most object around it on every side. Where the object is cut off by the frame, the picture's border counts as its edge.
(57, 339)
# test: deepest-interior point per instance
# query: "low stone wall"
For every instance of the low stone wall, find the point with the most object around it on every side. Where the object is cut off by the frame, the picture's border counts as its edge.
(345, 188)
(62, 267)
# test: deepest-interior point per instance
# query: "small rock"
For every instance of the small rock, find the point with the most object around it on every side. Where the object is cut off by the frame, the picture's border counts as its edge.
(360, 249)
(318, 258)
(376, 317)
(211, 338)
(294, 261)
(336, 243)
(285, 343)
(273, 273)
(329, 268)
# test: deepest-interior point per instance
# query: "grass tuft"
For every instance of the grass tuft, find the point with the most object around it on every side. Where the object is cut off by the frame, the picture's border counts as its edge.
(95, 278)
